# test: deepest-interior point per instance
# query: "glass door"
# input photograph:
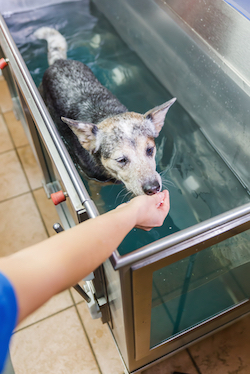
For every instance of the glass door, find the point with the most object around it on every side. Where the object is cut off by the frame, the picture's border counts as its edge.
(199, 281)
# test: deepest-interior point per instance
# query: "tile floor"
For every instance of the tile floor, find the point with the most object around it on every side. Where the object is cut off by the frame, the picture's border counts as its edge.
(61, 337)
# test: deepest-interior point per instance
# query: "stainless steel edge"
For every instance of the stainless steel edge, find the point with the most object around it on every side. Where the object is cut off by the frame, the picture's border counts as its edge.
(193, 334)
(209, 21)
(16, 63)
(177, 238)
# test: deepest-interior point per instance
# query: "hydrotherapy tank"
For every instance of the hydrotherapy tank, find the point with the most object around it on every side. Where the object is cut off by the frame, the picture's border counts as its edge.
(165, 289)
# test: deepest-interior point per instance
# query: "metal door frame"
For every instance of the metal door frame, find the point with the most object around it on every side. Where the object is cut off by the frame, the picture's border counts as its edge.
(142, 274)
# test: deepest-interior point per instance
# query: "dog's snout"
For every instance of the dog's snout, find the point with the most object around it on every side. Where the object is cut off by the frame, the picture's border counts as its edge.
(151, 188)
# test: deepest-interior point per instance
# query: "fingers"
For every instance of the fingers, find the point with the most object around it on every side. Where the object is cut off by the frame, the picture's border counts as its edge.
(163, 201)
(155, 212)
(149, 211)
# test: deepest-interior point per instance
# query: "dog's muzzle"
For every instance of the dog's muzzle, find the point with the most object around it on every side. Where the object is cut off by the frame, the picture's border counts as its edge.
(150, 188)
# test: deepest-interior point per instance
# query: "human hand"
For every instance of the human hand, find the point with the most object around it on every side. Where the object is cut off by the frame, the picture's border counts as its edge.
(150, 211)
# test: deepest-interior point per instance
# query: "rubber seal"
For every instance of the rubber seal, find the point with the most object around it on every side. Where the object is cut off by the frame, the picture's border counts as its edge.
(58, 197)
(3, 63)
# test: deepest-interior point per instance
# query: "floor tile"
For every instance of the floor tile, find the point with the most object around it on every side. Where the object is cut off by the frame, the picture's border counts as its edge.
(102, 342)
(5, 140)
(31, 168)
(12, 177)
(47, 209)
(179, 363)
(56, 345)
(21, 224)
(226, 352)
(16, 129)
(5, 98)
(57, 303)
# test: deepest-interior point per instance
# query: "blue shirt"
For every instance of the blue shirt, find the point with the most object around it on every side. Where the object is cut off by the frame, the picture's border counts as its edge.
(8, 316)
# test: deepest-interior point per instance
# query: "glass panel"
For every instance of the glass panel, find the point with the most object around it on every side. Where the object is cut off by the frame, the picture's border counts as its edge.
(200, 286)
(201, 185)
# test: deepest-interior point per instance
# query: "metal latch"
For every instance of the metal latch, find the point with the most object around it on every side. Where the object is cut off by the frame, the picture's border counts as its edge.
(93, 305)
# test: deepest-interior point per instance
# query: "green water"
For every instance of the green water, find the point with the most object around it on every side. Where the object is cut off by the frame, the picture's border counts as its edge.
(200, 184)
(188, 292)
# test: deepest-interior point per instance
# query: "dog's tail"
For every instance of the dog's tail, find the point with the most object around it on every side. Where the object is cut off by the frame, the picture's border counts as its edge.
(57, 45)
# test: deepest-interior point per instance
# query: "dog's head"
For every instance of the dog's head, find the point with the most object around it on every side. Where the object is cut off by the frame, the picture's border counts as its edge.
(125, 146)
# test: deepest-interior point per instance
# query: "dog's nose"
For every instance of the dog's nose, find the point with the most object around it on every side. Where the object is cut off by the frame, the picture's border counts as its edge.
(151, 188)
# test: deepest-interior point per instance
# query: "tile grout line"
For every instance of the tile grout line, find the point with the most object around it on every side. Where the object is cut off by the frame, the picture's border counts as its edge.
(193, 361)
(19, 195)
(84, 330)
(43, 319)
(16, 152)
(74, 304)
(88, 339)
(8, 130)
(40, 214)
(15, 196)
(32, 192)
(15, 149)
(8, 150)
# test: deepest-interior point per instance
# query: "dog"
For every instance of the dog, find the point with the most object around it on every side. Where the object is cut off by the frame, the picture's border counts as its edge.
(109, 143)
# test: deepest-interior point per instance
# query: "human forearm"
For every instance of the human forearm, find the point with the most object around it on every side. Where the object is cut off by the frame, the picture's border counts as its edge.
(87, 245)
(39, 272)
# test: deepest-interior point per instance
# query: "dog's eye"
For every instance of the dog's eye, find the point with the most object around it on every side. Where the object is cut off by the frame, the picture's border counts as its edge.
(150, 151)
(122, 161)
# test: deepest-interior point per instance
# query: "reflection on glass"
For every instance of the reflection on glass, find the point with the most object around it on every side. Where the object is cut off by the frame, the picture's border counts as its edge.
(200, 286)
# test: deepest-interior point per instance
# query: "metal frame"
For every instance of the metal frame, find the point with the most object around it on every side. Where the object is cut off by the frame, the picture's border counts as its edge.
(142, 280)
(132, 286)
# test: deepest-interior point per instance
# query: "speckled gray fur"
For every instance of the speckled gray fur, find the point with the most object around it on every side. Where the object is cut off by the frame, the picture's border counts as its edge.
(70, 89)
(105, 141)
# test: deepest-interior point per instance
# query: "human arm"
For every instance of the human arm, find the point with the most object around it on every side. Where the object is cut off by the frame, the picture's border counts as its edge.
(41, 271)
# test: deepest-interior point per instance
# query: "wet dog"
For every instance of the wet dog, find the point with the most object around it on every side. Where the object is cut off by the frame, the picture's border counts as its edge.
(108, 142)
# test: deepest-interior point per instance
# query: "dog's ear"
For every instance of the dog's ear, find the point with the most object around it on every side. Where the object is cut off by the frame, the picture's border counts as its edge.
(85, 132)
(157, 115)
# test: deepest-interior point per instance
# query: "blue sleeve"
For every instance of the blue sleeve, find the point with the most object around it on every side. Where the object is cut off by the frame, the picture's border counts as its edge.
(8, 316)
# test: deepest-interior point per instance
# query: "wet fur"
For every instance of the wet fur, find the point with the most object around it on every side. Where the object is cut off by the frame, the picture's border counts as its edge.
(70, 90)
(108, 142)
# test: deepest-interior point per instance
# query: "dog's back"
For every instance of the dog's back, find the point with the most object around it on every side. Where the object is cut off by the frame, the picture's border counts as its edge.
(71, 87)
(74, 92)
(105, 141)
